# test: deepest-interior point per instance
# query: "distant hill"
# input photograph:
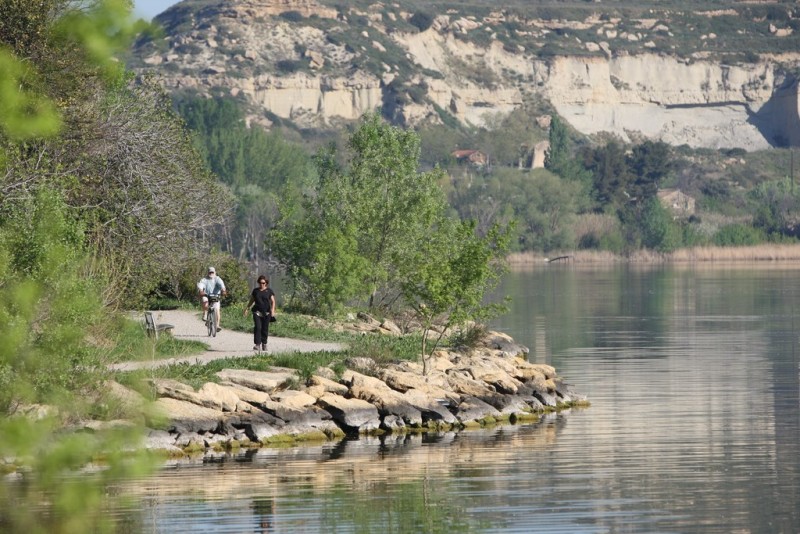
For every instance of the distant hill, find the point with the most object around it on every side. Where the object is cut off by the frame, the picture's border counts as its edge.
(718, 75)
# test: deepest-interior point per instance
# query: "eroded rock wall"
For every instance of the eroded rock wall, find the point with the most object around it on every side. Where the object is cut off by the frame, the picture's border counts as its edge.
(306, 72)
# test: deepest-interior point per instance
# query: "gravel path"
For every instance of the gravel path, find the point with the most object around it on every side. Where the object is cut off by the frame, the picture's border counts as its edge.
(227, 344)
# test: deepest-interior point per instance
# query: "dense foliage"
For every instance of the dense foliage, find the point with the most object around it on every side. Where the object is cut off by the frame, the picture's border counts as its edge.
(121, 156)
(377, 231)
(58, 178)
(255, 164)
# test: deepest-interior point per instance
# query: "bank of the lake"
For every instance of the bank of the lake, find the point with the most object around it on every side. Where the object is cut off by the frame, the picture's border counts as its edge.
(755, 253)
(490, 383)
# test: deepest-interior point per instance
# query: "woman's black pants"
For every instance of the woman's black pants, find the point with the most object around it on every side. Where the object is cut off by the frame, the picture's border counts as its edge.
(261, 329)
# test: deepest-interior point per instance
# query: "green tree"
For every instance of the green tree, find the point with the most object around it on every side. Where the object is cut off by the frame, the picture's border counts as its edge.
(777, 208)
(121, 154)
(560, 158)
(610, 174)
(255, 164)
(455, 269)
(649, 162)
(542, 205)
(53, 317)
(380, 206)
(659, 230)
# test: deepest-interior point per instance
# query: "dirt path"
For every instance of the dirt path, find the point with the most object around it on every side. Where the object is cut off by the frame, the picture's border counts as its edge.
(227, 343)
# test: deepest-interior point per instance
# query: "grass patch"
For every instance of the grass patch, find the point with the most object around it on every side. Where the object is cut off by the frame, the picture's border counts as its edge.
(382, 349)
(133, 344)
(293, 325)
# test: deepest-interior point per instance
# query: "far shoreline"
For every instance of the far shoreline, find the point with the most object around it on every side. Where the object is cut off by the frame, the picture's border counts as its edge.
(717, 255)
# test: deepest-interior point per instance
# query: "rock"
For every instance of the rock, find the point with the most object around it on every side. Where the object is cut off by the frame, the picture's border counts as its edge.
(322, 426)
(474, 409)
(510, 405)
(259, 380)
(167, 387)
(160, 440)
(463, 383)
(393, 423)
(297, 400)
(546, 398)
(329, 385)
(315, 59)
(388, 401)
(219, 397)
(102, 426)
(354, 414)
(524, 371)
(259, 425)
(210, 440)
(360, 363)
(188, 417)
(503, 342)
(430, 408)
(391, 327)
(36, 411)
(404, 381)
(187, 439)
(487, 371)
(128, 399)
(249, 395)
(368, 319)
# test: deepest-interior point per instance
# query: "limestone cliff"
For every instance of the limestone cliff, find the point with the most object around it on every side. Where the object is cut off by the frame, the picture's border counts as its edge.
(314, 65)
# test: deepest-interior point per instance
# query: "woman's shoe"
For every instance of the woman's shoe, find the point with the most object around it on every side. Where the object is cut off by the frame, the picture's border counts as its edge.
(256, 347)
(264, 347)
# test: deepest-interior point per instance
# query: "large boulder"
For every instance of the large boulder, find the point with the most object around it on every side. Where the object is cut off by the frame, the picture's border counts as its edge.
(404, 381)
(432, 410)
(219, 397)
(353, 414)
(505, 344)
(188, 417)
(462, 382)
(328, 385)
(473, 409)
(298, 400)
(388, 401)
(247, 395)
(259, 380)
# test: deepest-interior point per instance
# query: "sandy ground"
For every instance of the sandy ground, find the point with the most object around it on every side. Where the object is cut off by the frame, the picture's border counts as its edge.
(227, 344)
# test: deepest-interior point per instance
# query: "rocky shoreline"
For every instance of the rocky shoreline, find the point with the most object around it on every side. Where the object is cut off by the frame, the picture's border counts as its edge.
(490, 384)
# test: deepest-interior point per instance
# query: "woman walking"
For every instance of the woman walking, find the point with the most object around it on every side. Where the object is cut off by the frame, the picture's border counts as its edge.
(262, 300)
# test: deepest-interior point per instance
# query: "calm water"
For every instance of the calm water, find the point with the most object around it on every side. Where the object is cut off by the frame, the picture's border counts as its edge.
(693, 375)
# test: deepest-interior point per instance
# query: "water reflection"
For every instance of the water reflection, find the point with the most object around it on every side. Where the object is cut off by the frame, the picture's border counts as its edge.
(402, 484)
(694, 379)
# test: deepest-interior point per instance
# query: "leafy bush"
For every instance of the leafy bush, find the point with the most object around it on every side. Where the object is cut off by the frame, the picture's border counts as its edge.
(736, 235)
(421, 20)
(385, 349)
(467, 337)
(292, 16)
(289, 66)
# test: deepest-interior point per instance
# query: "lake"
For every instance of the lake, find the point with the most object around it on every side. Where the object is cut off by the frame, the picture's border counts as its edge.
(694, 378)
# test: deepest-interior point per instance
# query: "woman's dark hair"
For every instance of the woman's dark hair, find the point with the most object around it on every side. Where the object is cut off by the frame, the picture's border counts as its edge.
(264, 278)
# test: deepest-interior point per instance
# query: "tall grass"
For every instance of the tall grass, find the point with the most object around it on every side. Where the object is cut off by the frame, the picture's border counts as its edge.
(764, 252)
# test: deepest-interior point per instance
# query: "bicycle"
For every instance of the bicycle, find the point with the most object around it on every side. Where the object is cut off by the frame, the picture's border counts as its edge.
(211, 315)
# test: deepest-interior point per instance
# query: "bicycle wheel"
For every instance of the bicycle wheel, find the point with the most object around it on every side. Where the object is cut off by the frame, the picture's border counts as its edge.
(210, 324)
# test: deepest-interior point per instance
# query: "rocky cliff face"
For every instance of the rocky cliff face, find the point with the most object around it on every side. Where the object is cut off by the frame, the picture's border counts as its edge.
(314, 65)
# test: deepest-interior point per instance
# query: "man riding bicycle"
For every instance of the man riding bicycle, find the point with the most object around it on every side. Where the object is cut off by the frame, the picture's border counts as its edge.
(211, 285)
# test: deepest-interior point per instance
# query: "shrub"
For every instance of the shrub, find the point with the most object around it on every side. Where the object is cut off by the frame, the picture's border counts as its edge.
(735, 235)
(289, 65)
(291, 16)
(421, 20)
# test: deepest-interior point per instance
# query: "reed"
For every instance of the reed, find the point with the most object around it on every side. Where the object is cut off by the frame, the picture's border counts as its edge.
(755, 253)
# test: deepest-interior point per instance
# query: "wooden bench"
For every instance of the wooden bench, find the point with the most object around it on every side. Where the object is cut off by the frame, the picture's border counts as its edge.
(152, 328)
